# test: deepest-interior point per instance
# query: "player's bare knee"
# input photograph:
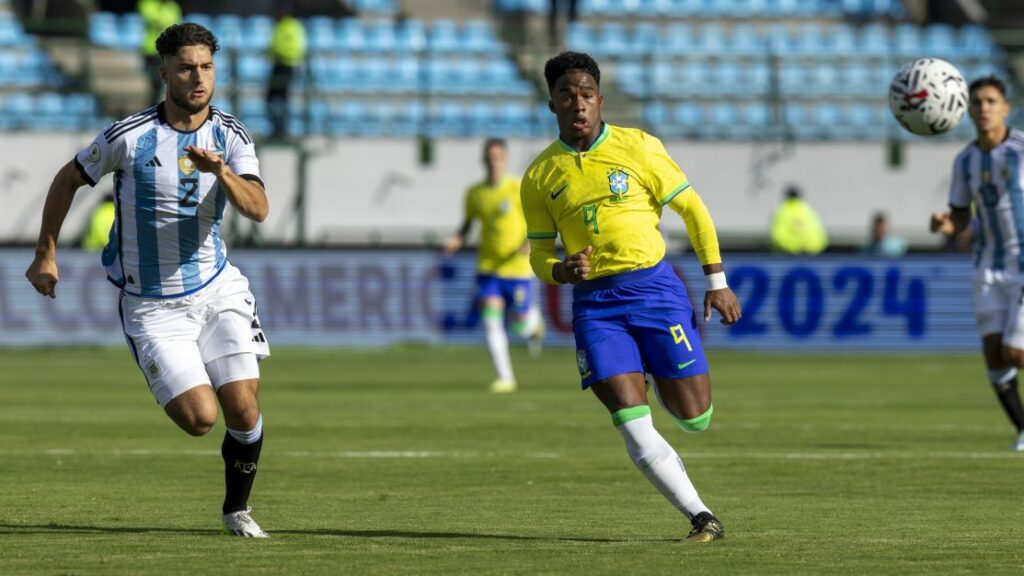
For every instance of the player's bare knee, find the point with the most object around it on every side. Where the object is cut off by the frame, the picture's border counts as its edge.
(242, 417)
(1015, 356)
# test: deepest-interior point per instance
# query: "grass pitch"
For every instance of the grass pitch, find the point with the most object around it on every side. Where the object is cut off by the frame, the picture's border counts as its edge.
(401, 462)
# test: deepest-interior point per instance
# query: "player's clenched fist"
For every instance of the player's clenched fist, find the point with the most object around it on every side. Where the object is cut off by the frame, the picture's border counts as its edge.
(575, 268)
(43, 275)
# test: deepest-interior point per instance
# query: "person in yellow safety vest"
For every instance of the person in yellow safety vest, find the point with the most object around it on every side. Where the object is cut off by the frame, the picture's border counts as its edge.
(97, 234)
(287, 49)
(796, 227)
(157, 15)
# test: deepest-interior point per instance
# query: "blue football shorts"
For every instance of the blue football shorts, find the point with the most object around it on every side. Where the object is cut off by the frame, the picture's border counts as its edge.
(517, 292)
(637, 321)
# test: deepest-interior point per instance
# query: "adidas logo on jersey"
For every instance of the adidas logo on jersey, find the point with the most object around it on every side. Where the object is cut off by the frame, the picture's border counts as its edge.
(154, 163)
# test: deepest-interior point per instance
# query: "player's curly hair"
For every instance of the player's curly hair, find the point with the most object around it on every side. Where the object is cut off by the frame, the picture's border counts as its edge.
(567, 62)
(185, 34)
(985, 81)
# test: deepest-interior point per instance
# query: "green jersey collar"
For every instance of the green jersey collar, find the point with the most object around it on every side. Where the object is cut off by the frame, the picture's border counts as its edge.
(606, 130)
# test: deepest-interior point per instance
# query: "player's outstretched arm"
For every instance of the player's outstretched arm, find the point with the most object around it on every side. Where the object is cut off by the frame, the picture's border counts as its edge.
(247, 196)
(42, 273)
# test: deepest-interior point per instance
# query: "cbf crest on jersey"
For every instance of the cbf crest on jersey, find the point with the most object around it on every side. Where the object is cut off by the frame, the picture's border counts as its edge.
(618, 183)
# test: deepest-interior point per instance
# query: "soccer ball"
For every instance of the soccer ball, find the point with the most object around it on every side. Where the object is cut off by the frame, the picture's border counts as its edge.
(928, 96)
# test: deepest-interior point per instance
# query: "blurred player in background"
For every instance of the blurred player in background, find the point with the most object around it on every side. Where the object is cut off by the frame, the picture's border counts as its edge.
(187, 313)
(504, 278)
(603, 188)
(987, 173)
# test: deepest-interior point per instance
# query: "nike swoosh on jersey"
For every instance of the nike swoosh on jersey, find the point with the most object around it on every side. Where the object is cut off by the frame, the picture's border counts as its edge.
(685, 364)
(558, 192)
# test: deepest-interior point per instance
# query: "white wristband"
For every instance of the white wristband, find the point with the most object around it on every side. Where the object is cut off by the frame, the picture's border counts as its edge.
(716, 281)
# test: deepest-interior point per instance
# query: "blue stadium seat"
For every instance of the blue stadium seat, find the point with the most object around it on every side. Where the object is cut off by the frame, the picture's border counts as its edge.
(477, 37)
(228, 29)
(688, 115)
(131, 31)
(252, 69)
(874, 40)
(656, 116)
(840, 41)
(258, 30)
(443, 36)
(349, 36)
(975, 42)
(380, 36)
(411, 36)
(907, 42)
(696, 75)
(645, 38)
(103, 29)
(941, 41)
(613, 41)
(320, 33)
(676, 39)
(746, 40)
(710, 40)
(580, 36)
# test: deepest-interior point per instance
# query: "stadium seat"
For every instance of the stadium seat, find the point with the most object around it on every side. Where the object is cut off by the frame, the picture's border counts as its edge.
(380, 36)
(349, 36)
(443, 37)
(477, 37)
(676, 39)
(580, 37)
(411, 36)
(320, 34)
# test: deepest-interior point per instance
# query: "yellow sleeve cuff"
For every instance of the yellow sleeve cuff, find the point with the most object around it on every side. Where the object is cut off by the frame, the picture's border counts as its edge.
(542, 255)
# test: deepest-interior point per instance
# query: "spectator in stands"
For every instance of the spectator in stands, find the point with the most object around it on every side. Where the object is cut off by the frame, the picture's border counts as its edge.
(556, 6)
(882, 242)
(796, 227)
(287, 49)
(97, 234)
(157, 15)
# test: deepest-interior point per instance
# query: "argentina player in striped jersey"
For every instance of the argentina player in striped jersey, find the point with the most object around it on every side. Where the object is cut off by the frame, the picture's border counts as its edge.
(188, 315)
(987, 173)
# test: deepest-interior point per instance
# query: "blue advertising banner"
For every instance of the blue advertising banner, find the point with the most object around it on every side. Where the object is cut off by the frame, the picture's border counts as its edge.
(376, 298)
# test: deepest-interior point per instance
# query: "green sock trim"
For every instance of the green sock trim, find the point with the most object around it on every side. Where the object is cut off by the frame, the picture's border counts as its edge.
(490, 313)
(519, 327)
(626, 414)
(698, 424)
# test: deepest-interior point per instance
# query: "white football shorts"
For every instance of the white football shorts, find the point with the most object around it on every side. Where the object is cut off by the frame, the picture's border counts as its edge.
(173, 339)
(997, 305)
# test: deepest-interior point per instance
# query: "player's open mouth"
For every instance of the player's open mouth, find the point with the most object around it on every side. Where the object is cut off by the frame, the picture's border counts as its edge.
(579, 123)
(198, 93)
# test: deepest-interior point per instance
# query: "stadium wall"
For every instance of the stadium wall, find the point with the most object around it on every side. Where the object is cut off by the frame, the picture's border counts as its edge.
(378, 297)
(376, 191)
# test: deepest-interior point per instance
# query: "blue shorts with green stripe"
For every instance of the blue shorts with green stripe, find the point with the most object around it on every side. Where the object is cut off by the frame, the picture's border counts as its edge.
(637, 321)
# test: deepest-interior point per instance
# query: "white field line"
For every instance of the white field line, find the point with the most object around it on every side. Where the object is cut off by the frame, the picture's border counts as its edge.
(440, 454)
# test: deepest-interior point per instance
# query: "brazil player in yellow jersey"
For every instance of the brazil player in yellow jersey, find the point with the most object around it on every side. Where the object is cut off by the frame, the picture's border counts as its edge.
(504, 277)
(602, 188)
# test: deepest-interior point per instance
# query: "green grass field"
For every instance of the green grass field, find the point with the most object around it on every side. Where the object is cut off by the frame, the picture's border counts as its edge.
(400, 461)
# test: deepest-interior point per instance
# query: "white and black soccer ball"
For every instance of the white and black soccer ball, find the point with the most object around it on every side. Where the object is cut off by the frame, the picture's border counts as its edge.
(928, 96)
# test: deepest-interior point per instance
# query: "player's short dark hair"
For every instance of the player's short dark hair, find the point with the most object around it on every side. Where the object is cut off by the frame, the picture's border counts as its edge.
(185, 34)
(986, 81)
(567, 62)
(495, 142)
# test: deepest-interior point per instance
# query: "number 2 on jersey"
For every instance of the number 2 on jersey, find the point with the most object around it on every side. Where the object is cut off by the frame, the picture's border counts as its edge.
(590, 217)
(190, 201)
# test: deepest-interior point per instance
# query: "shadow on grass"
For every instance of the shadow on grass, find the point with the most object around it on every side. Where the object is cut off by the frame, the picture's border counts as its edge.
(70, 529)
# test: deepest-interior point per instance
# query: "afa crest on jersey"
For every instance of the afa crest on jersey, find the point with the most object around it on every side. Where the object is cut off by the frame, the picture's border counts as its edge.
(618, 183)
(185, 165)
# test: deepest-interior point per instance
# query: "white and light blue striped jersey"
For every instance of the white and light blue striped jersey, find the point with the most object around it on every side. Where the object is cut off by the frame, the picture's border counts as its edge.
(993, 180)
(166, 239)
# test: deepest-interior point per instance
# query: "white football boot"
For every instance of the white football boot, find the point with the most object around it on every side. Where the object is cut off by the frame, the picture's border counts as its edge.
(241, 524)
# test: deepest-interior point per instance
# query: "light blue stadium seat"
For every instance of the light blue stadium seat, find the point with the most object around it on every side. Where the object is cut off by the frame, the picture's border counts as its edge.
(661, 78)
(443, 36)
(257, 32)
(721, 118)
(380, 36)
(411, 36)
(866, 121)
(676, 39)
(469, 78)
(631, 77)
(793, 79)
(204, 20)
(645, 38)
(613, 41)
(975, 42)
(406, 74)
(746, 40)
(320, 33)
(657, 7)
(477, 37)
(696, 74)
(709, 40)
(825, 80)
(253, 69)
(840, 41)
(228, 28)
(103, 29)
(375, 6)
(374, 75)
(727, 79)
(754, 115)
(580, 36)
(757, 78)
(656, 116)
(12, 33)
(941, 41)
(874, 40)
(688, 115)
(131, 31)
(349, 36)
(251, 107)
(907, 42)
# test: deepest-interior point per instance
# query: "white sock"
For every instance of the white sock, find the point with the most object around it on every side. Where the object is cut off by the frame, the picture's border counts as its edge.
(497, 342)
(658, 461)
(248, 436)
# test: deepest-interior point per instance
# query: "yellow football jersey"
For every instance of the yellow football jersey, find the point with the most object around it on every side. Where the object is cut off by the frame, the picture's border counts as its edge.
(610, 197)
(503, 228)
